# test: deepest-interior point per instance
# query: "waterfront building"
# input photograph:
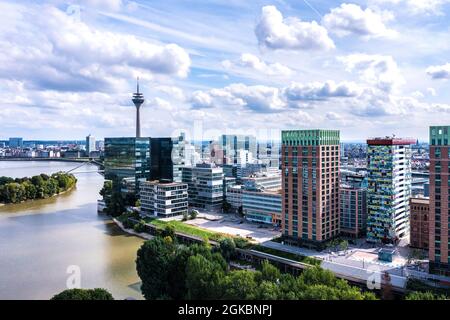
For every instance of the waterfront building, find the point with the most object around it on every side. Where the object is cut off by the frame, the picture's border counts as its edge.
(439, 243)
(167, 158)
(419, 222)
(353, 206)
(389, 189)
(90, 144)
(127, 157)
(262, 206)
(232, 143)
(310, 184)
(15, 142)
(163, 198)
(205, 185)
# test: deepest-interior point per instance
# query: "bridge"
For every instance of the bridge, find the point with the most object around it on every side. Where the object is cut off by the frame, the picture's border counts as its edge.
(90, 161)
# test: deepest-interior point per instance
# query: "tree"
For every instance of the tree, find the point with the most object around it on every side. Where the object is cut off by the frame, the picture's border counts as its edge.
(154, 260)
(169, 231)
(417, 295)
(226, 206)
(344, 245)
(269, 272)
(193, 214)
(227, 248)
(241, 285)
(83, 294)
(106, 191)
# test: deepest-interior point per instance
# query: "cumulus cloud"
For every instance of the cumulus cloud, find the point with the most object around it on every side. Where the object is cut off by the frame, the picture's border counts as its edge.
(69, 55)
(275, 32)
(252, 62)
(200, 100)
(321, 90)
(352, 19)
(378, 70)
(439, 72)
(428, 7)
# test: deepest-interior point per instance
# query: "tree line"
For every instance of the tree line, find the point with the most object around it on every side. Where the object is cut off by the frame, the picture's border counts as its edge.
(36, 187)
(169, 270)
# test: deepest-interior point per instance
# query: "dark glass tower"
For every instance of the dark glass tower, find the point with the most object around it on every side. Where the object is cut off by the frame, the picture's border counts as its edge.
(138, 100)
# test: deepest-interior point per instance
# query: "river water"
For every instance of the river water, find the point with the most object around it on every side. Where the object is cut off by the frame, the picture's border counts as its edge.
(44, 243)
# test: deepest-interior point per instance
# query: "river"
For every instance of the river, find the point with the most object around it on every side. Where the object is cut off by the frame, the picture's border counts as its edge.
(42, 241)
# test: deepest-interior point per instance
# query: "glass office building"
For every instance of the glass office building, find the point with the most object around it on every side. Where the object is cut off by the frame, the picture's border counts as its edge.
(127, 157)
(167, 158)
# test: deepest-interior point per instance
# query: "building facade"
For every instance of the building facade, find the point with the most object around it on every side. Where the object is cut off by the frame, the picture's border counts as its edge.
(90, 144)
(310, 184)
(231, 144)
(353, 205)
(389, 189)
(127, 157)
(262, 181)
(419, 223)
(163, 199)
(439, 245)
(167, 158)
(262, 206)
(205, 185)
(15, 142)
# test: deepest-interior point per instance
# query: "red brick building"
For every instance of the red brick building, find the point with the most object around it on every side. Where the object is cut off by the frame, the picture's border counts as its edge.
(419, 223)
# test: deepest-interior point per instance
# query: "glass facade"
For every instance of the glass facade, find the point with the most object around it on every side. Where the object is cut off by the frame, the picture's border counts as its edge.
(167, 158)
(127, 157)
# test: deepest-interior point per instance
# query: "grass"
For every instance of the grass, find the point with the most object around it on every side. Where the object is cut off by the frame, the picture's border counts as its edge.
(288, 255)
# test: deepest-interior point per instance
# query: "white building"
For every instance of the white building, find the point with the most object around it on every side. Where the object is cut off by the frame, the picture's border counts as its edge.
(90, 144)
(234, 196)
(163, 199)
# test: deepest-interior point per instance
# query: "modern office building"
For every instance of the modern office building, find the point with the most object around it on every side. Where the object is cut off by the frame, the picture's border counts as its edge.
(234, 196)
(15, 142)
(127, 157)
(389, 189)
(167, 158)
(263, 181)
(419, 222)
(353, 206)
(205, 185)
(310, 184)
(262, 206)
(232, 143)
(439, 243)
(163, 198)
(90, 144)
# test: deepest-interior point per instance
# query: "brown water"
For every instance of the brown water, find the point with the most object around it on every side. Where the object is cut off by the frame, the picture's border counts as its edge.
(40, 239)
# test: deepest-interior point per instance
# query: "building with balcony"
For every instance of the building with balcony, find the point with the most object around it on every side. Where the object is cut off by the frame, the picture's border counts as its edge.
(389, 189)
(163, 198)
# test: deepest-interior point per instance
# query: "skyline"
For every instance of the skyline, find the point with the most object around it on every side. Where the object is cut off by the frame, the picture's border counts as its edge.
(366, 68)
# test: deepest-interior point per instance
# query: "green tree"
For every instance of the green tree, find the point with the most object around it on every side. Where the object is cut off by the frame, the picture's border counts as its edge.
(227, 248)
(83, 294)
(193, 214)
(241, 285)
(417, 295)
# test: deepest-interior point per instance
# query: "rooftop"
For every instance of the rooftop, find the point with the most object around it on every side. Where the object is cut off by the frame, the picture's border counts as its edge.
(389, 141)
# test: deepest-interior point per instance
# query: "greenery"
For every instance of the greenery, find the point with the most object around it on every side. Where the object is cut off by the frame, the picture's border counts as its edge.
(112, 195)
(288, 255)
(418, 285)
(140, 226)
(417, 295)
(173, 271)
(83, 294)
(37, 187)
(193, 214)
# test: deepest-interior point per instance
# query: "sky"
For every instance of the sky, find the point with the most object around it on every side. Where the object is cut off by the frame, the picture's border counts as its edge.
(367, 68)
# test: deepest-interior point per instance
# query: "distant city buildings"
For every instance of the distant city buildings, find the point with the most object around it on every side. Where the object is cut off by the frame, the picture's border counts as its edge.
(310, 184)
(419, 223)
(15, 142)
(439, 245)
(353, 205)
(205, 185)
(231, 144)
(90, 144)
(163, 198)
(389, 189)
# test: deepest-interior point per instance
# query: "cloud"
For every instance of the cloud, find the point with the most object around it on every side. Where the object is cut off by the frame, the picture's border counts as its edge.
(111, 5)
(321, 90)
(378, 70)
(275, 32)
(416, 7)
(200, 100)
(352, 19)
(439, 72)
(252, 62)
(70, 55)
(332, 116)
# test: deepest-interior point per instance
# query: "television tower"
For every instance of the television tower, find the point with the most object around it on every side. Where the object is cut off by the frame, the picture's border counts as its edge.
(138, 100)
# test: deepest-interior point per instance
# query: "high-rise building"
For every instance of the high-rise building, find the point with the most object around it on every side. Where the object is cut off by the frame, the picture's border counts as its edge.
(15, 142)
(439, 244)
(419, 222)
(353, 205)
(205, 185)
(232, 143)
(163, 198)
(90, 144)
(167, 158)
(310, 184)
(389, 188)
(138, 100)
(127, 157)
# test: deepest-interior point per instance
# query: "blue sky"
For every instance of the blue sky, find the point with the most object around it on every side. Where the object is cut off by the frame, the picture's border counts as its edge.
(368, 68)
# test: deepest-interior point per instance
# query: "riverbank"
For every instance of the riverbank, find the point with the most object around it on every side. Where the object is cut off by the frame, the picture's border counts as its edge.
(48, 159)
(142, 235)
(32, 200)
